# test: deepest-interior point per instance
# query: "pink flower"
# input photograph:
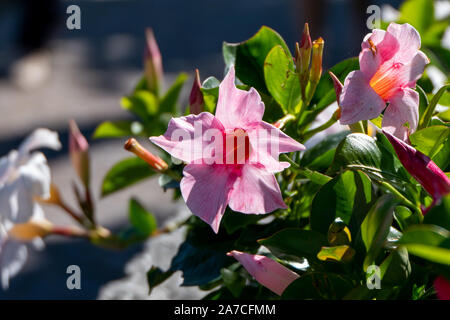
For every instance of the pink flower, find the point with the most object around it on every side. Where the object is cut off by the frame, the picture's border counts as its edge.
(228, 157)
(442, 286)
(390, 64)
(79, 152)
(422, 168)
(266, 271)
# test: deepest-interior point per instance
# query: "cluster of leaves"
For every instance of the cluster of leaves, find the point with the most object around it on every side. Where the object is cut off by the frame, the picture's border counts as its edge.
(351, 203)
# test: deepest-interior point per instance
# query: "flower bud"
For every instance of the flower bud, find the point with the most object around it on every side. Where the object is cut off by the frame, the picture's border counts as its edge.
(316, 63)
(266, 271)
(338, 86)
(155, 162)
(78, 149)
(196, 102)
(303, 57)
(29, 230)
(422, 168)
(153, 63)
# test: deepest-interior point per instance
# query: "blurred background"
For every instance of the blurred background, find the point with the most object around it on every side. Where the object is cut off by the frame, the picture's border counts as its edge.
(49, 74)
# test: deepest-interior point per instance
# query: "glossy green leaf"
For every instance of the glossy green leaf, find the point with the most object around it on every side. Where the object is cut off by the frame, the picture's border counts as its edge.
(155, 276)
(210, 90)
(142, 103)
(321, 155)
(168, 103)
(141, 219)
(342, 253)
(318, 286)
(429, 242)
(430, 140)
(375, 227)
(348, 197)
(293, 242)
(249, 56)
(125, 173)
(440, 214)
(396, 268)
(425, 119)
(282, 80)
(116, 129)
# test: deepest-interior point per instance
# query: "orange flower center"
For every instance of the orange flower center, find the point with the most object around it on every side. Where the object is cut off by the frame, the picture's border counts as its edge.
(383, 81)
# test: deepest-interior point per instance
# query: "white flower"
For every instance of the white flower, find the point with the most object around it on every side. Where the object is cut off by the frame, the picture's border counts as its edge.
(24, 176)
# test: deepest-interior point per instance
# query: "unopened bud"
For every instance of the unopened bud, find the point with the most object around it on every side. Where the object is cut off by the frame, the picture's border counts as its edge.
(153, 63)
(29, 230)
(316, 63)
(155, 162)
(78, 149)
(303, 57)
(196, 102)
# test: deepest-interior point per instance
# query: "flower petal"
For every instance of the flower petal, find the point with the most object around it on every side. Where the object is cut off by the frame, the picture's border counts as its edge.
(205, 189)
(408, 39)
(266, 271)
(255, 191)
(442, 286)
(238, 108)
(403, 109)
(13, 256)
(358, 100)
(268, 142)
(369, 63)
(191, 129)
(40, 138)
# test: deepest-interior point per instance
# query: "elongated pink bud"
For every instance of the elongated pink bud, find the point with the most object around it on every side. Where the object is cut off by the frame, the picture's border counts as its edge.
(266, 271)
(153, 63)
(196, 102)
(442, 286)
(338, 86)
(79, 152)
(422, 168)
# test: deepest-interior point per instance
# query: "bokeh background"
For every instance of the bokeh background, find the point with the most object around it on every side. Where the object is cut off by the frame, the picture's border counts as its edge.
(49, 74)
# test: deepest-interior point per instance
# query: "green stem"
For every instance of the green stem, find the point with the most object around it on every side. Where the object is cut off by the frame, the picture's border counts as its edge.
(402, 198)
(280, 123)
(324, 126)
(314, 176)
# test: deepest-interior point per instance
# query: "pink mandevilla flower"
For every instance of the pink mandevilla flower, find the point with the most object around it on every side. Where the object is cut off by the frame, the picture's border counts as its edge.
(266, 271)
(227, 156)
(390, 64)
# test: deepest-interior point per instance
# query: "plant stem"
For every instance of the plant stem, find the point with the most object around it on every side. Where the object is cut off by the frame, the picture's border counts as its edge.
(357, 127)
(402, 198)
(324, 126)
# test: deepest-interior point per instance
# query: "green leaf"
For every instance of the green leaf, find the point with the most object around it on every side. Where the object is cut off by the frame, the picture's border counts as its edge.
(396, 268)
(343, 253)
(429, 242)
(317, 286)
(282, 80)
(292, 242)
(210, 90)
(199, 264)
(321, 155)
(125, 173)
(405, 217)
(168, 103)
(233, 281)
(141, 219)
(142, 103)
(418, 13)
(434, 142)
(440, 214)
(375, 227)
(249, 56)
(348, 197)
(233, 221)
(155, 276)
(115, 129)
(423, 101)
(425, 119)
